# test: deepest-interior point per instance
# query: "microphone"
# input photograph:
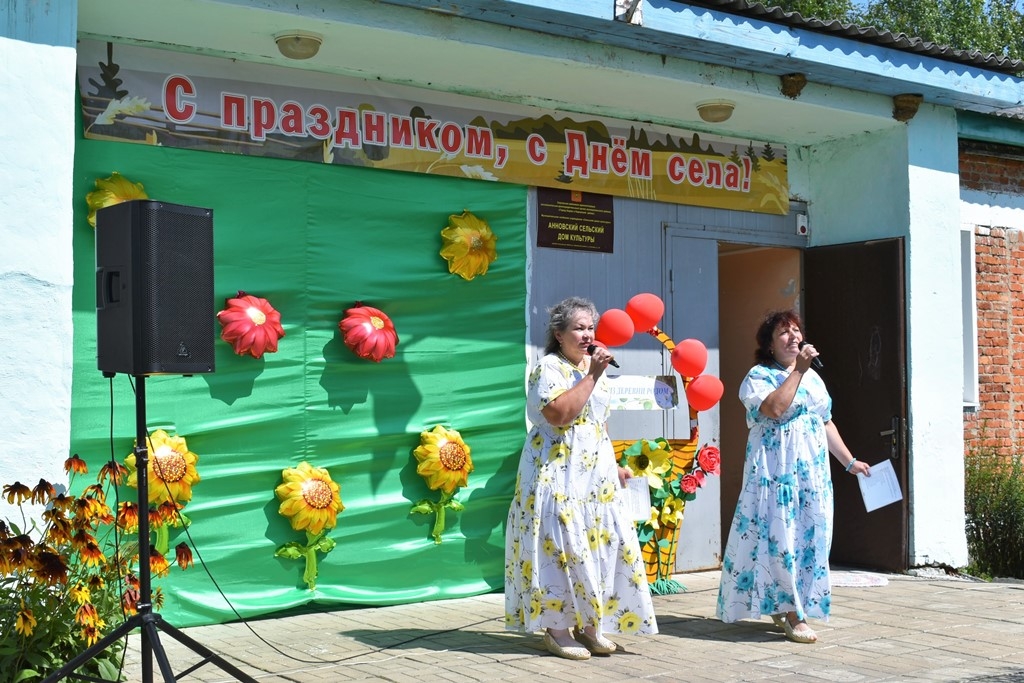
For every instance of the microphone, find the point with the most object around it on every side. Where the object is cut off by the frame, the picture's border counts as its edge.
(593, 347)
(816, 361)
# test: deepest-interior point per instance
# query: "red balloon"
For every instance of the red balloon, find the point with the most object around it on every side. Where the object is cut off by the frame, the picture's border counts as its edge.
(614, 328)
(704, 392)
(689, 357)
(645, 310)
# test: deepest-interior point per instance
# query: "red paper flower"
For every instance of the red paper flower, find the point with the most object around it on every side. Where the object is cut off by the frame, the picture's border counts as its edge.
(251, 325)
(369, 333)
(689, 483)
(709, 459)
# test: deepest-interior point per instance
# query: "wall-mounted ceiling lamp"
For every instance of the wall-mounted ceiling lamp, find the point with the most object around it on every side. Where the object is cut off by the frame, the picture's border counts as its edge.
(298, 44)
(715, 111)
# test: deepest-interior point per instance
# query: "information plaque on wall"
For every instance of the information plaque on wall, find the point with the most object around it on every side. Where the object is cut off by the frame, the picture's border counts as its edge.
(568, 219)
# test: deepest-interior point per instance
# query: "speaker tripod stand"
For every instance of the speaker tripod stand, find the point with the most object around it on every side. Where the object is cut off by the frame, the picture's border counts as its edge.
(146, 619)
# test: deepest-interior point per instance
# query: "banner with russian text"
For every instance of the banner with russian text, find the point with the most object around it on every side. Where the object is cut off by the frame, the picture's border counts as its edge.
(157, 97)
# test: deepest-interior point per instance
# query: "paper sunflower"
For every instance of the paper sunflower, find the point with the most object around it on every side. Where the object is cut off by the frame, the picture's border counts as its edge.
(309, 498)
(312, 502)
(468, 245)
(653, 462)
(444, 459)
(171, 473)
(369, 333)
(445, 463)
(111, 191)
(171, 468)
(251, 325)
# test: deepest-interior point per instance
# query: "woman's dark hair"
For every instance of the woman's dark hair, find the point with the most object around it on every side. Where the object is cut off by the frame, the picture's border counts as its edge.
(561, 315)
(772, 321)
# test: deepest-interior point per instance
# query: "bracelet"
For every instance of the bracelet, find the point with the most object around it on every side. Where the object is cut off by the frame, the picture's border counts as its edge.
(850, 464)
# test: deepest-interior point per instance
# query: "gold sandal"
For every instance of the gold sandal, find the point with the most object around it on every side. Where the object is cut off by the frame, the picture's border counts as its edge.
(571, 652)
(597, 644)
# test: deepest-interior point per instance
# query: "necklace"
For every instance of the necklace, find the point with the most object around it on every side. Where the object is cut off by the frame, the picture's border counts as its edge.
(780, 366)
(561, 355)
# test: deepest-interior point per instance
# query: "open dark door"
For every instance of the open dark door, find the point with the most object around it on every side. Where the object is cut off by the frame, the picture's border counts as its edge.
(854, 315)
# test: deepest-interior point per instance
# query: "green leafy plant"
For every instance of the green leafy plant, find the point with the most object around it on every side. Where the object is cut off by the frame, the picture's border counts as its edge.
(67, 575)
(994, 506)
(58, 590)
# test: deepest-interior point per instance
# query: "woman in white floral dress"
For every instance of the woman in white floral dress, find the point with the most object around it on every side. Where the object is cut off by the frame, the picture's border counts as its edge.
(776, 558)
(573, 566)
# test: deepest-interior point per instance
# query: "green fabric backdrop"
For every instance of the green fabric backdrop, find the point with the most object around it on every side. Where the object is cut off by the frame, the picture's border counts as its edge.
(312, 240)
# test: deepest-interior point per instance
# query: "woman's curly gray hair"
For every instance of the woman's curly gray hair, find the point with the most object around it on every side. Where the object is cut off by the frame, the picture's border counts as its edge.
(560, 316)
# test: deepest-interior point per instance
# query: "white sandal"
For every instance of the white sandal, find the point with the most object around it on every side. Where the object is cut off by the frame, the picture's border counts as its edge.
(806, 636)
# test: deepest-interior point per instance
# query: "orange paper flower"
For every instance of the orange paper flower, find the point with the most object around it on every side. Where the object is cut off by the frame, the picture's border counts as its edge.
(251, 325)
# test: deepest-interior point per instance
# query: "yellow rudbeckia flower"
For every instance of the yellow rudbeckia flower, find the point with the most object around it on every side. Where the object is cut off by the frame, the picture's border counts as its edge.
(25, 622)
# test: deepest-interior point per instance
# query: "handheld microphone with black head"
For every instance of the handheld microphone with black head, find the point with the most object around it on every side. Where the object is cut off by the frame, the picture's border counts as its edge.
(816, 361)
(593, 347)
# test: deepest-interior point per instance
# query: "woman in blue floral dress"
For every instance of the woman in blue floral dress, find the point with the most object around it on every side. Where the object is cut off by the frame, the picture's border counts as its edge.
(573, 566)
(776, 558)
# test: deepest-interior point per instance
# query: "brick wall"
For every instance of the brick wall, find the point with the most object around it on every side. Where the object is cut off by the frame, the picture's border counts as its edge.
(998, 425)
(991, 168)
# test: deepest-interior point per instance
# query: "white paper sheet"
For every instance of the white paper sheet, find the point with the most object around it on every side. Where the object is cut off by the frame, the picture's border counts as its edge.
(881, 488)
(635, 498)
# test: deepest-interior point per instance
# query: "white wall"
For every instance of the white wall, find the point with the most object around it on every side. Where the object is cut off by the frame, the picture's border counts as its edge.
(991, 209)
(37, 130)
(935, 341)
(855, 187)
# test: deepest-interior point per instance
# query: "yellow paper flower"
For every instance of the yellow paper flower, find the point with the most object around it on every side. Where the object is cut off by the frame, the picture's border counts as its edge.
(444, 459)
(111, 191)
(171, 471)
(309, 498)
(469, 246)
(671, 515)
(652, 463)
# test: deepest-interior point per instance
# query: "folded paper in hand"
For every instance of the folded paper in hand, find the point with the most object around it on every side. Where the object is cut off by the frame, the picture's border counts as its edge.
(635, 498)
(881, 488)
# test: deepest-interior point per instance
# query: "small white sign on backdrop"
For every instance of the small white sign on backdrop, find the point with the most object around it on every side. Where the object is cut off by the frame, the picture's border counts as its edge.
(643, 392)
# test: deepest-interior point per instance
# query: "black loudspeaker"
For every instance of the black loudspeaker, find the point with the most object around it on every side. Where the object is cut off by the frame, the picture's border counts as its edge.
(154, 289)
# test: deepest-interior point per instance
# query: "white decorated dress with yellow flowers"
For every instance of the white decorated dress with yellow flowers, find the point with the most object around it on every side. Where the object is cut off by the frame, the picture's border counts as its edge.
(572, 558)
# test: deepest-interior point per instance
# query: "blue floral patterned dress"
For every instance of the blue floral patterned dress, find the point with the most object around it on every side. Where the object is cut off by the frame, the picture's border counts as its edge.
(572, 557)
(776, 559)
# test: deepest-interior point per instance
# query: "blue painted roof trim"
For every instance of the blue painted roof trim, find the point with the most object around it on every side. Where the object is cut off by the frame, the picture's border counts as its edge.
(701, 34)
(49, 22)
(767, 47)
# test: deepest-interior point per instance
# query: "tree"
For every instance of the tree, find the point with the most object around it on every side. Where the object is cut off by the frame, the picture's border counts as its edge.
(989, 26)
(826, 10)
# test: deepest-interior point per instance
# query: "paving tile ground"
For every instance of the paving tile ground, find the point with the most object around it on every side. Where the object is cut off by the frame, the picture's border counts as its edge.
(914, 629)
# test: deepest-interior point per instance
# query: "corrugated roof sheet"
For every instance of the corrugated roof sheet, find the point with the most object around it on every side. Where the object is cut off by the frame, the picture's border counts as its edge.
(897, 41)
